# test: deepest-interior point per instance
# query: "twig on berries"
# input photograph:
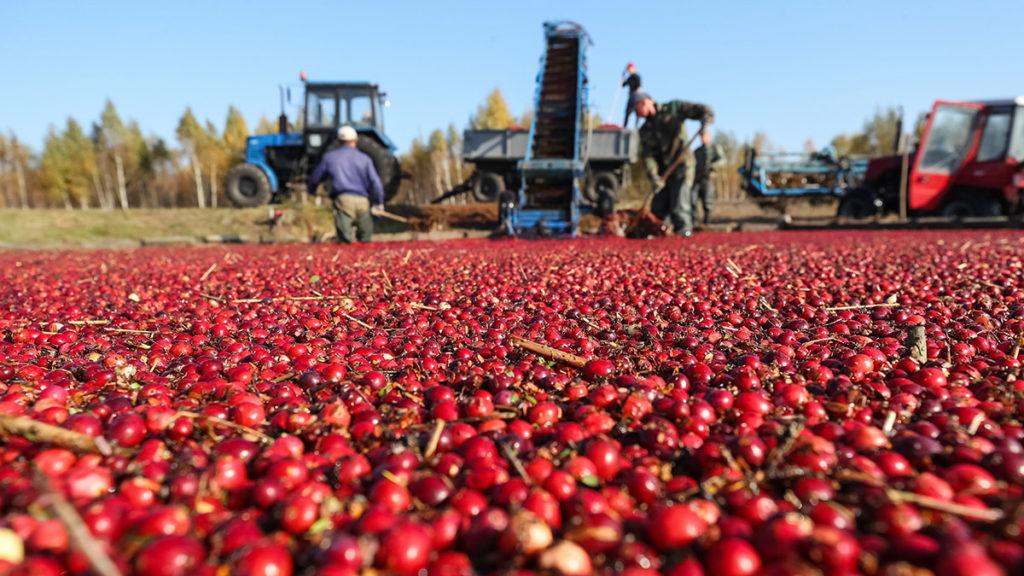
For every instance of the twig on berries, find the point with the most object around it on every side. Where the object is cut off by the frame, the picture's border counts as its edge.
(970, 512)
(357, 320)
(548, 352)
(435, 439)
(862, 306)
(208, 272)
(510, 453)
(78, 532)
(225, 423)
(35, 431)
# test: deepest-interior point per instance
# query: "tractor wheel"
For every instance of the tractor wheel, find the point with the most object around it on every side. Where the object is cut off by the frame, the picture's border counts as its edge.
(967, 206)
(487, 187)
(248, 186)
(506, 207)
(858, 204)
(386, 164)
(987, 205)
(600, 185)
(957, 209)
(605, 205)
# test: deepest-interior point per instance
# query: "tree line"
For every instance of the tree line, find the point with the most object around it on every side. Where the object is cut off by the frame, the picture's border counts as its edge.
(111, 164)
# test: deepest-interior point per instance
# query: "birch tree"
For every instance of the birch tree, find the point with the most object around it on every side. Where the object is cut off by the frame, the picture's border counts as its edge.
(190, 135)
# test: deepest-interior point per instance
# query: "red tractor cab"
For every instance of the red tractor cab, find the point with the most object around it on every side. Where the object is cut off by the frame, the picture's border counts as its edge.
(968, 162)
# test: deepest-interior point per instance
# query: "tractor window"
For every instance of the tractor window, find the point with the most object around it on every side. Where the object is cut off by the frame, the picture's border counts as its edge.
(321, 109)
(995, 137)
(1017, 138)
(360, 111)
(947, 141)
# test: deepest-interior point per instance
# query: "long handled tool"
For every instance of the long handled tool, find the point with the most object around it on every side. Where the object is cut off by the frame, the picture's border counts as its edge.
(664, 176)
(381, 212)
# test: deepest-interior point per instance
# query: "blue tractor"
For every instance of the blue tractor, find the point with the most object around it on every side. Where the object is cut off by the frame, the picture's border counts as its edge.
(276, 164)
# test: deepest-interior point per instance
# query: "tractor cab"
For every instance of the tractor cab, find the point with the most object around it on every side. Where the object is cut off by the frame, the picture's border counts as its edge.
(330, 106)
(967, 158)
(277, 164)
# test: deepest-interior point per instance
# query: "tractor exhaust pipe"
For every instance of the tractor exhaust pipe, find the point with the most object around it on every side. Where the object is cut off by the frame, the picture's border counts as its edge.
(282, 120)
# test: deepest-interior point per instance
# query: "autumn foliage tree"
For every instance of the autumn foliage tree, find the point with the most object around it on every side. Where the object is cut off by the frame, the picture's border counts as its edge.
(493, 114)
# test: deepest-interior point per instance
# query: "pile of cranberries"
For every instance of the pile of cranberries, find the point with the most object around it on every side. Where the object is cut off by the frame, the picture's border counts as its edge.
(744, 404)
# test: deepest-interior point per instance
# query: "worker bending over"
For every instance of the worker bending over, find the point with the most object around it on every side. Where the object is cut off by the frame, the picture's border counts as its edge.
(355, 186)
(709, 157)
(667, 157)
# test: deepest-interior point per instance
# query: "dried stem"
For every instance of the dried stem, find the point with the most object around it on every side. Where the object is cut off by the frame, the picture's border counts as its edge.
(225, 423)
(474, 419)
(778, 456)
(357, 320)
(35, 431)
(980, 514)
(287, 298)
(208, 272)
(917, 344)
(510, 453)
(862, 306)
(78, 532)
(130, 331)
(548, 352)
(435, 438)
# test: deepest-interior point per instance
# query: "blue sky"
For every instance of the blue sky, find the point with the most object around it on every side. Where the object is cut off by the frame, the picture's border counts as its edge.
(793, 69)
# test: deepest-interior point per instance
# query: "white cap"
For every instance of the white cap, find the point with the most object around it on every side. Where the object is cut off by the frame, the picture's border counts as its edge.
(347, 134)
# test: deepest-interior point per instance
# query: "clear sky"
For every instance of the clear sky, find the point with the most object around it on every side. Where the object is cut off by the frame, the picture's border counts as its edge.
(794, 69)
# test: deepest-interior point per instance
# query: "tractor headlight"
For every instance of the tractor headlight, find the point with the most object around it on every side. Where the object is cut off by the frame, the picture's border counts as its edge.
(315, 140)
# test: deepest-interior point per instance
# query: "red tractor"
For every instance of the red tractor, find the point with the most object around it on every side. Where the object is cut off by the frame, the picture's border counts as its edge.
(968, 162)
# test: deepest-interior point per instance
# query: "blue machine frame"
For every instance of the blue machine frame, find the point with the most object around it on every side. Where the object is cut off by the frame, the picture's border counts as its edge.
(256, 150)
(555, 219)
(759, 183)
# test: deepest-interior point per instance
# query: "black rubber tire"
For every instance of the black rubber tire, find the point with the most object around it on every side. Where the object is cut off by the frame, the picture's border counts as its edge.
(248, 186)
(605, 205)
(958, 209)
(978, 204)
(506, 205)
(487, 187)
(602, 183)
(385, 162)
(987, 205)
(857, 204)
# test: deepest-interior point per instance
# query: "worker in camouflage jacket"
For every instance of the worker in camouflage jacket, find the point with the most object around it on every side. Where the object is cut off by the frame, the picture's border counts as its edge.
(668, 160)
(709, 157)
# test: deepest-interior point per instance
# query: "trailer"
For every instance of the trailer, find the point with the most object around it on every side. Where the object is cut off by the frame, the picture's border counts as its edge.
(545, 178)
(495, 155)
(787, 175)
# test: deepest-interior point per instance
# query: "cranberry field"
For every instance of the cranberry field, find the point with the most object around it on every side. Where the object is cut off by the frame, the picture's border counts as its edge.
(777, 403)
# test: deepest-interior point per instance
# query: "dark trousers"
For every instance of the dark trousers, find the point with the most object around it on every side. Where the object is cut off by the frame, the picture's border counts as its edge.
(675, 202)
(704, 192)
(350, 209)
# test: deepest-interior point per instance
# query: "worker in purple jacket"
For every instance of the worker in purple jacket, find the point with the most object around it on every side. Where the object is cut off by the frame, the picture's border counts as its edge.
(355, 187)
